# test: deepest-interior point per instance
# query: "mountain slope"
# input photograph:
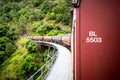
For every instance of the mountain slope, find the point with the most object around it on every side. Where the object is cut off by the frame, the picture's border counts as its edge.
(19, 14)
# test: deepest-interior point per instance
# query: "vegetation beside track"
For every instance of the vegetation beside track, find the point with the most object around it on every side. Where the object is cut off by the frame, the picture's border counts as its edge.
(23, 62)
(28, 17)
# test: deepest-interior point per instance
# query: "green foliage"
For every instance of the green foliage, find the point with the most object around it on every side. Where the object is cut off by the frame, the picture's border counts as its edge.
(50, 15)
(31, 46)
(39, 28)
(58, 17)
(60, 13)
(65, 19)
(7, 46)
(3, 42)
(3, 29)
(38, 14)
(19, 17)
(22, 64)
(6, 50)
(46, 6)
(19, 13)
(36, 3)
(2, 56)
(56, 32)
(8, 11)
(10, 48)
(12, 34)
(28, 66)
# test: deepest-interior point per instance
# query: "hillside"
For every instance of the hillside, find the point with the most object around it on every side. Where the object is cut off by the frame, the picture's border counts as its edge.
(36, 17)
(23, 62)
(20, 58)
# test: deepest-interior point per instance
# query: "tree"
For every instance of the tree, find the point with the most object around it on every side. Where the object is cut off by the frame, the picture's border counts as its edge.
(6, 48)
(12, 34)
(3, 42)
(9, 49)
(31, 46)
(28, 66)
(2, 56)
(7, 37)
(3, 29)
(36, 3)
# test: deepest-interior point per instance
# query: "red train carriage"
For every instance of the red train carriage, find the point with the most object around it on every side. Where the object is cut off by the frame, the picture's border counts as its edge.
(57, 39)
(37, 38)
(97, 40)
(66, 40)
(47, 38)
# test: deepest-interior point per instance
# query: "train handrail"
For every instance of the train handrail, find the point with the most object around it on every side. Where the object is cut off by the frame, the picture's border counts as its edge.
(45, 69)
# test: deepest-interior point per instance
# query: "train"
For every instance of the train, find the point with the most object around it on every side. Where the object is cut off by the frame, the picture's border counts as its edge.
(63, 40)
(95, 41)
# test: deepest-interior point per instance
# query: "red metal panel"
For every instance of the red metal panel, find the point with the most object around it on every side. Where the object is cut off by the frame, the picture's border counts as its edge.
(100, 40)
(66, 42)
